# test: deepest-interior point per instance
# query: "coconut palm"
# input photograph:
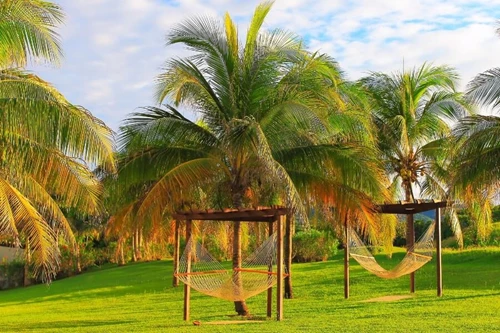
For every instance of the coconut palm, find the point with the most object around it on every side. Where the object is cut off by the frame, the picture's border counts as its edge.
(412, 111)
(264, 107)
(46, 143)
(477, 176)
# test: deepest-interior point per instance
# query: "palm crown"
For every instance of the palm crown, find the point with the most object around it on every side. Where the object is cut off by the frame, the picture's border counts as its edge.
(413, 112)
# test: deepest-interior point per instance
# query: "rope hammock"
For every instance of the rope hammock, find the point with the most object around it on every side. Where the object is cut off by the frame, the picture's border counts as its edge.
(202, 272)
(416, 256)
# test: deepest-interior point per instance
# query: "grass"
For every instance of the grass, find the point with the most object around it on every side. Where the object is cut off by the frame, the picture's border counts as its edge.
(139, 297)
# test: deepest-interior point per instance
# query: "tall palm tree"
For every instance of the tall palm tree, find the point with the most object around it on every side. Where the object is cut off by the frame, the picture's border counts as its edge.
(46, 144)
(477, 176)
(264, 108)
(413, 111)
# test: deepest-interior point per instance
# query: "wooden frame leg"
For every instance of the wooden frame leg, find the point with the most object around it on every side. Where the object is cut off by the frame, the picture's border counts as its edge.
(187, 288)
(288, 257)
(439, 263)
(410, 243)
(270, 289)
(177, 235)
(279, 263)
(346, 260)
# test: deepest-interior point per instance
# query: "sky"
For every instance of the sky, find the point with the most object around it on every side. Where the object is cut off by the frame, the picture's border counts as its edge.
(114, 49)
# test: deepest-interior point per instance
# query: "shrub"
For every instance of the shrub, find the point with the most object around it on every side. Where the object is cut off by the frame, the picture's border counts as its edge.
(420, 226)
(11, 274)
(313, 245)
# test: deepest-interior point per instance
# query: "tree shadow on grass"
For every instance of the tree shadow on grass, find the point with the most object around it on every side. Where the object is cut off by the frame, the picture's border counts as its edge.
(138, 278)
(71, 324)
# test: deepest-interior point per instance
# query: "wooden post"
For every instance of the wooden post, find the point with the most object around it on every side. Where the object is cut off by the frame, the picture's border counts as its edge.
(439, 271)
(410, 244)
(187, 288)
(346, 260)
(270, 289)
(288, 257)
(279, 264)
(177, 244)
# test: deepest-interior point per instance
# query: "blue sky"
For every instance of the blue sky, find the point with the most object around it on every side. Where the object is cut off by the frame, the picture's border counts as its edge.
(115, 48)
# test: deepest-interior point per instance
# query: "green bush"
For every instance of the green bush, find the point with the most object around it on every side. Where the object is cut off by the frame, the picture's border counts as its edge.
(91, 253)
(11, 274)
(214, 247)
(313, 245)
(420, 226)
(494, 238)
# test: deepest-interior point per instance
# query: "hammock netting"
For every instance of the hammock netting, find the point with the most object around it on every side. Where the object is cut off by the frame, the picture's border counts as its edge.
(202, 272)
(416, 256)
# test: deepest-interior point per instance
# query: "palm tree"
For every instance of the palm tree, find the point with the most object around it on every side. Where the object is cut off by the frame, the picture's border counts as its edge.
(264, 108)
(46, 144)
(477, 176)
(412, 111)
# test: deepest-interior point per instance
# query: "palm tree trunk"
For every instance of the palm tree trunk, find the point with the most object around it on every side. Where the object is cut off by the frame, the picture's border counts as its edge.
(137, 245)
(410, 231)
(134, 251)
(142, 245)
(239, 306)
(78, 259)
(121, 258)
(257, 233)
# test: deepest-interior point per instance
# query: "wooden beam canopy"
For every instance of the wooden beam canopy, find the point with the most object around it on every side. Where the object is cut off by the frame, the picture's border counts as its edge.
(259, 214)
(407, 208)
(278, 214)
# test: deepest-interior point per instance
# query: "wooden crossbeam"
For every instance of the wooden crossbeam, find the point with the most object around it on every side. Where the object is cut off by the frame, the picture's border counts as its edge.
(265, 214)
(408, 208)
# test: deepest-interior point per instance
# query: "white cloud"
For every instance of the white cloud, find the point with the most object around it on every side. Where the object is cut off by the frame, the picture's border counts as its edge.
(114, 49)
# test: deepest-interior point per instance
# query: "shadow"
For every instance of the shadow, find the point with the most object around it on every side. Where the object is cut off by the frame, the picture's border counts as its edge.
(73, 324)
(135, 278)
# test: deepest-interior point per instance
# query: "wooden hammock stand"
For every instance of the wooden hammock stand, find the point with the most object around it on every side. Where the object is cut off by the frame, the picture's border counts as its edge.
(408, 209)
(277, 214)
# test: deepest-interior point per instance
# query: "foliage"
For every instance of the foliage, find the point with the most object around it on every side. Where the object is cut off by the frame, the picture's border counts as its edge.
(412, 111)
(11, 274)
(495, 213)
(28, 32)
(478, 151)
(42, 170)
(420, 226)
(92, 251)
(265, 106)
(11, 267)
(313, 245)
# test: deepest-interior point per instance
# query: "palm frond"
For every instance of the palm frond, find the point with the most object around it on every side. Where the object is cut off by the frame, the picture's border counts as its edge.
(485, 88)
(43, 250)
(28, 32)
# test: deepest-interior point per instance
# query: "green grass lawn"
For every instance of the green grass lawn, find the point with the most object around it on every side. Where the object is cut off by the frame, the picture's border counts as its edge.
(139, 297)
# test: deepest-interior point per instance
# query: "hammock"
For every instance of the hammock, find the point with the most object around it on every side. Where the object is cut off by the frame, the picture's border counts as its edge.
(416, 257)
(202, 272)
